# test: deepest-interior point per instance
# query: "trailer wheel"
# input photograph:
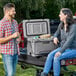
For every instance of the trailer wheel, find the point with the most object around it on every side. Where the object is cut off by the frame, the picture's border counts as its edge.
(24, 66)
(73, 74)
(61, 74)
(38, 72)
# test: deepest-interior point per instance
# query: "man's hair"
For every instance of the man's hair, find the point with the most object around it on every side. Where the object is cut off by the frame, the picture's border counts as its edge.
(8, 6)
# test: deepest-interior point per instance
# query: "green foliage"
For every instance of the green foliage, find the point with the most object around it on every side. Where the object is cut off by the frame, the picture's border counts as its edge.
(66, 3)
(51, 10)
(34, 9)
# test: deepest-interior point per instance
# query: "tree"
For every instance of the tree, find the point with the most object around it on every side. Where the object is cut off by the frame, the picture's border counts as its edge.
(30, 8)
(35, 9)
(66, 3)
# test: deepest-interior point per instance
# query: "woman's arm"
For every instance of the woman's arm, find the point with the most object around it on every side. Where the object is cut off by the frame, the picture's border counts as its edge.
(56, 35)
(70, 38)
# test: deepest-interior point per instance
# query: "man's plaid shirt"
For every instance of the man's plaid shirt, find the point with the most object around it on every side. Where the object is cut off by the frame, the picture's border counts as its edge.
(5, 31)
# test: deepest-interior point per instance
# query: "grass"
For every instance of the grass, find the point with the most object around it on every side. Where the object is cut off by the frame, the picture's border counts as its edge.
(25, 72)
(30, 71)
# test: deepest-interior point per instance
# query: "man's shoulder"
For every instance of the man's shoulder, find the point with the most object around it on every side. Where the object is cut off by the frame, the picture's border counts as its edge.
(15, 21)
(2, 22)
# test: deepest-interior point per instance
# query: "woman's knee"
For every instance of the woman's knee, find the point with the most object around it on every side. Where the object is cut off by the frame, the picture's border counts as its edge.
(56, 59)
(50, 55)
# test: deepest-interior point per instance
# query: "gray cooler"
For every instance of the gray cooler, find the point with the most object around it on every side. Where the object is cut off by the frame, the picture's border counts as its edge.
(35, 45)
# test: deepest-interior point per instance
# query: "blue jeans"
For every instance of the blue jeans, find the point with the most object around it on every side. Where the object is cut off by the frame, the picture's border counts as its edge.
(10, 62)
(55, 61)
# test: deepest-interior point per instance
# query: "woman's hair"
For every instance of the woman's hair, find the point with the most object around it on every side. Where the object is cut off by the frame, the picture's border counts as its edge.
(69, 19)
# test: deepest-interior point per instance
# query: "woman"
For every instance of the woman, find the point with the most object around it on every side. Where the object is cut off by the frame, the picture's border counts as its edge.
(66, 36)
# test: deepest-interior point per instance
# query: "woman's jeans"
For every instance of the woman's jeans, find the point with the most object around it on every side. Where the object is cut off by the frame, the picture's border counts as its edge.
(10, 62)
(55, 61)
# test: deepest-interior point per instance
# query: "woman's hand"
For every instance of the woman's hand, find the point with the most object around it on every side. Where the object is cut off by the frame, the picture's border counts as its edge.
(57, 54)
(55, 40)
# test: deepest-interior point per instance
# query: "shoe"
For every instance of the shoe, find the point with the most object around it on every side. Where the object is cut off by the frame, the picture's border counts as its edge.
(43, 74)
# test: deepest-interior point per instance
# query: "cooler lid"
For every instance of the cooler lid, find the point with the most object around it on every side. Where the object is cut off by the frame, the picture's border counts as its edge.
(36, 27)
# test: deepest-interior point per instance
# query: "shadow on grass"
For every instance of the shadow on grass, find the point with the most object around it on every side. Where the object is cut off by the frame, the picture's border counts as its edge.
(2, 72)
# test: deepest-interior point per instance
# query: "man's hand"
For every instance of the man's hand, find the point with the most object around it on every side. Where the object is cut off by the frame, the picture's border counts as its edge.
(6, 39)
(19, 39)
(55, 40)
(15, 35)
(57, 54)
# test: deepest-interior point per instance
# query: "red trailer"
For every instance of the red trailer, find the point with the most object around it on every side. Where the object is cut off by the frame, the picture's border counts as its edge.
(33, 59)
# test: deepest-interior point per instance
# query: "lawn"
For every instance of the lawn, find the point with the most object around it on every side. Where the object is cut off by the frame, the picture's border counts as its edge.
(30, 71)
(20, 72)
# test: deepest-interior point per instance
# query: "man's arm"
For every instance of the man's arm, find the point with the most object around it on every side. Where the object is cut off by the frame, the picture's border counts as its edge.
(6, 39)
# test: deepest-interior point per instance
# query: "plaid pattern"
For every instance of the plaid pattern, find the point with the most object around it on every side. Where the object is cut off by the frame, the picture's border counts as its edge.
(5, 31)
(20, 27)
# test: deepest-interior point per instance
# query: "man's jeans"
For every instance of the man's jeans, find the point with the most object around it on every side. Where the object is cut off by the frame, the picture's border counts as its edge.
(10, 62)
(55, 61)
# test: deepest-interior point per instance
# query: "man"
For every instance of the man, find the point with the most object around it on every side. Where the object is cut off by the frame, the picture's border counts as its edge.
(9, 39)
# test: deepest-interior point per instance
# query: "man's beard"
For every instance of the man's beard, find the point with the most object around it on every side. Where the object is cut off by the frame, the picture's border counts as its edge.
(12, 16)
